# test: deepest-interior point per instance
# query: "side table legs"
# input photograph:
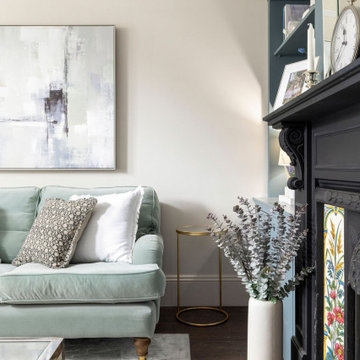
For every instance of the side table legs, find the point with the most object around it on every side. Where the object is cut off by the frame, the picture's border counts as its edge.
(217, 309)
(220, 280)
(178, 273)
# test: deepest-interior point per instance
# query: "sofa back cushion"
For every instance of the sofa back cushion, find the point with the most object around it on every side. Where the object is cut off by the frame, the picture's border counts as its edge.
(17, 214)
(149, 218)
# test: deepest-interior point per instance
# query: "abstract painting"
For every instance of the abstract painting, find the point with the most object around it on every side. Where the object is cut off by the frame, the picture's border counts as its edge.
(57, 97)
(334, 279)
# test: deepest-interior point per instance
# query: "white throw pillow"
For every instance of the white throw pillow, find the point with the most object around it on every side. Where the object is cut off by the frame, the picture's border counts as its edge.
(111, 231)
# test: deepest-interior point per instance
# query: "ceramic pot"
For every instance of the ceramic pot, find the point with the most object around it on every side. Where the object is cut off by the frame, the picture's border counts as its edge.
(265, 330)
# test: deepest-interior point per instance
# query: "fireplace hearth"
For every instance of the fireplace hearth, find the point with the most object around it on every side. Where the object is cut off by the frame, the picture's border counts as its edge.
(320, 131)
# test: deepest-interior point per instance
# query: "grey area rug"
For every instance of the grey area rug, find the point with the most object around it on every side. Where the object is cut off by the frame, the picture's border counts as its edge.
(162, 347)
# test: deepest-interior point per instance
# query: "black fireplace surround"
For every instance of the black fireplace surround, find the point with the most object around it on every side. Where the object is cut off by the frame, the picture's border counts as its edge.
(320, 131)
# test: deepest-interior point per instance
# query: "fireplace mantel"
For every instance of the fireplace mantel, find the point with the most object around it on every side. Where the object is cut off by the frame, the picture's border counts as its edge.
(339, 91)
(320, 131)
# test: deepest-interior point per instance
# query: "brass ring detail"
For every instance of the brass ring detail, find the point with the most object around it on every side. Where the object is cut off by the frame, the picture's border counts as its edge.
(186, 230)
(202, 308)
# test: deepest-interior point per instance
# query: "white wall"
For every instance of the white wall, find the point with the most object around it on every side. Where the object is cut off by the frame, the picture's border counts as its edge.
(191, 92)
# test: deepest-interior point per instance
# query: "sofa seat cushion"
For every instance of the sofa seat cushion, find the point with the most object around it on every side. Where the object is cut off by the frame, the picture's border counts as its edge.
(82, 283)
(6, 268)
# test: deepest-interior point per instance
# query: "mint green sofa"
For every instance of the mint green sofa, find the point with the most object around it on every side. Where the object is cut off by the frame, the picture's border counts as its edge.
(84, 300)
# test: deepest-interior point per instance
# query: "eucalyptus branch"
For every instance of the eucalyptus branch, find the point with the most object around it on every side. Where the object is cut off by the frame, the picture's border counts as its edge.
(261, 247)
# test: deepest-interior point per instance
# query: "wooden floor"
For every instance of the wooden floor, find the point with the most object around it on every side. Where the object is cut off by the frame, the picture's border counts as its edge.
(224, 342)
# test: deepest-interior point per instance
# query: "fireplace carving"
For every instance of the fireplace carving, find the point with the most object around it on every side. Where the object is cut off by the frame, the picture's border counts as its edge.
(292, 142)
(354, 272)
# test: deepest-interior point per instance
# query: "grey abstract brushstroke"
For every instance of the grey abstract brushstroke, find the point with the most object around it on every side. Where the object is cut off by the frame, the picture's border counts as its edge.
(56, 110)
(66, 75)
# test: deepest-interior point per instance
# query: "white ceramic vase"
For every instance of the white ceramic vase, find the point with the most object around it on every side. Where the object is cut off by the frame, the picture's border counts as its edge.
(265, 330)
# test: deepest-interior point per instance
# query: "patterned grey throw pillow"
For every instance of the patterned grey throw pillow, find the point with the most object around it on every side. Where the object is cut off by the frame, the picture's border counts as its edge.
(54, 235)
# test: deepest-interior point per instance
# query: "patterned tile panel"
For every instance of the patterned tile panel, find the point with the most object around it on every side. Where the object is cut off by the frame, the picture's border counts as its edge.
(334, 278)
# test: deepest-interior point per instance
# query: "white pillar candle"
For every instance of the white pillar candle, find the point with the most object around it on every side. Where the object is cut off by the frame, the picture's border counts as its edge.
(310, 48)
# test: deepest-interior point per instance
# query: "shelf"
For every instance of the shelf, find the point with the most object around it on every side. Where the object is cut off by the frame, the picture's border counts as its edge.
(338, 91)
(298, 38)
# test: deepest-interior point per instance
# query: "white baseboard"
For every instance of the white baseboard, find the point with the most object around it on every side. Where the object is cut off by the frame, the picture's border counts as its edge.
(197, 290)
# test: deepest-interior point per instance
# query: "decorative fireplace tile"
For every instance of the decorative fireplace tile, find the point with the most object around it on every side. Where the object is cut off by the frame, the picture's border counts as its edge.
(334, 290)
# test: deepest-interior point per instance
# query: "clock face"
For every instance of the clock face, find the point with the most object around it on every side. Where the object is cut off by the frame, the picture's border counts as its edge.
(345, 40)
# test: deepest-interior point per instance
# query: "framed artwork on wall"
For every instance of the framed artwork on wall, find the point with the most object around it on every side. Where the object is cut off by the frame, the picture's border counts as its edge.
(57, 97)
(292, 82)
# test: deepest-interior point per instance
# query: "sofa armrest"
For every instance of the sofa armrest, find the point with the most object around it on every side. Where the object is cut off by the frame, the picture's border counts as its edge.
(149, 249)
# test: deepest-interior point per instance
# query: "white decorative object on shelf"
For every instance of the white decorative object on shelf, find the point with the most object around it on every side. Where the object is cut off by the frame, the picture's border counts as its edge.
(291, 25)
(345, 41)
(292, 83)
(289, 195)
(284, 159)
(310, 48)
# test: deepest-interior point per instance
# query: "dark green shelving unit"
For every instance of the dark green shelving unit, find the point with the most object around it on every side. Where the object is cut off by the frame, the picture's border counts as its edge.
(285, 52)
(276, 175)
(281, 53)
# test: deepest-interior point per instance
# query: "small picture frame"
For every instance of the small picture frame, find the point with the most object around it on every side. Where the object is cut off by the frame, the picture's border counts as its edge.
(293, 13)
(292, 82)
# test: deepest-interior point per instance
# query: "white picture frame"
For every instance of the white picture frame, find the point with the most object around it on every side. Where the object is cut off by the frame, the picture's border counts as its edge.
(292, 82)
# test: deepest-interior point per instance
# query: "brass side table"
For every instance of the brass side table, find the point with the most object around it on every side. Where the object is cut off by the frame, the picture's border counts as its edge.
(197, 230)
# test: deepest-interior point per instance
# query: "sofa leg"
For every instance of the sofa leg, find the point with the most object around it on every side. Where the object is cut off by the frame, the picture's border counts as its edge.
(141, 346)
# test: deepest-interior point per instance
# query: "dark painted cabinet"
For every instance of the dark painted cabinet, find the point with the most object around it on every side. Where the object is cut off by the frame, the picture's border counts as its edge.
(320, 131)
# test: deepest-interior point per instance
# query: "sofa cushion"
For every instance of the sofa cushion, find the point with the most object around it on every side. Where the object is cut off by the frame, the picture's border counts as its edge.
(111, 232)
(54, 235)
(82, 283)
(6, 268)
(17, 213)
(149, 218)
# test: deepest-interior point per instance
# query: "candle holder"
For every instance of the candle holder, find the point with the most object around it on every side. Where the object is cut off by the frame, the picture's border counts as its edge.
(311, 78)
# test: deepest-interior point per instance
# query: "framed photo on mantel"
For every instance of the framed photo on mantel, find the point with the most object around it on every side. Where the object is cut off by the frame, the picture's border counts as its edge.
(292, 82)
(57, 97)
